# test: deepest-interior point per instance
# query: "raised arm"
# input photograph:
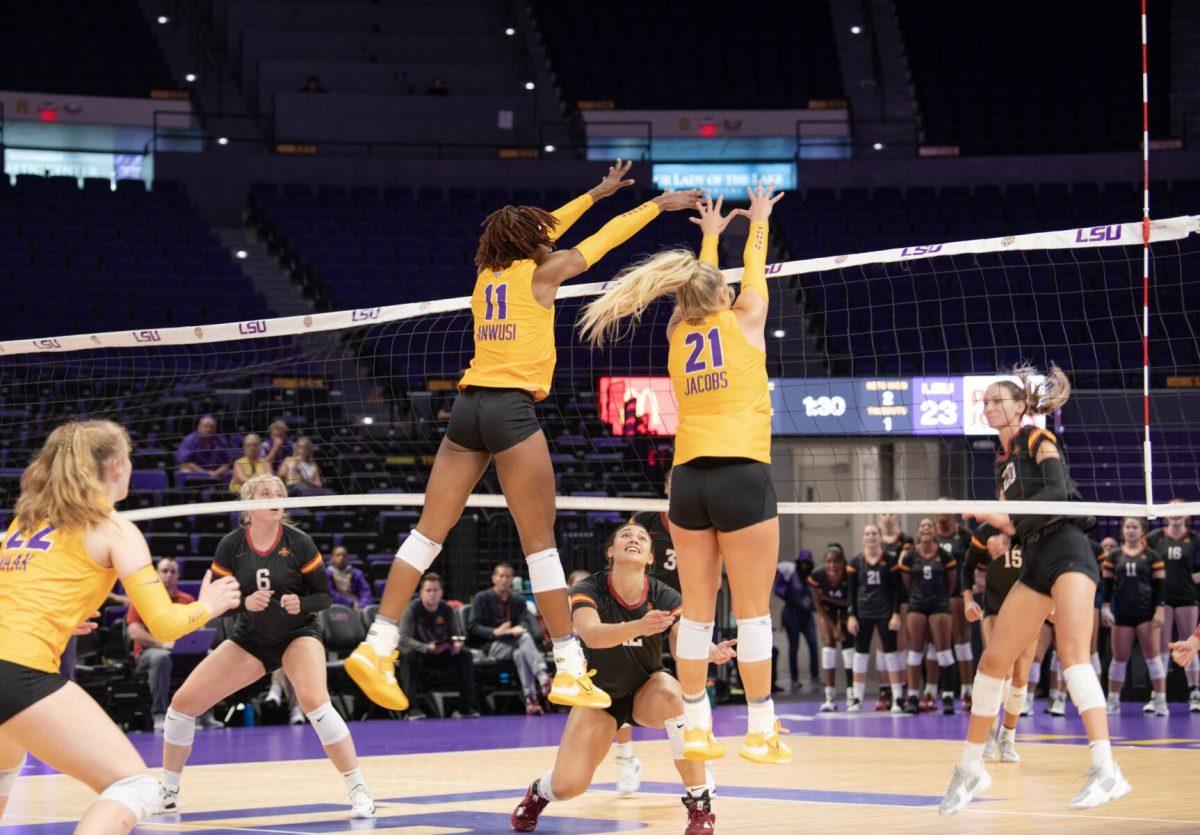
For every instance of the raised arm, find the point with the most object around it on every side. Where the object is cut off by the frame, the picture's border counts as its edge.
(614, 181)
(751, 305)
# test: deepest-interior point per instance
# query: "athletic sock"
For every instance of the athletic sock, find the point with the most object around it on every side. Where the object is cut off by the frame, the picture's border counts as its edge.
(972, 758)
(696, 710)
(930, 689)
(966, 690)
(384, 635)
(568, 656)
(543, 786)
(761, 716)
(1101, 751)
(860, 690)
(171, 779)
(625, 750)
(696, 791)
(830, 693)
(898, 689)
(353, 779)
(1007, 734)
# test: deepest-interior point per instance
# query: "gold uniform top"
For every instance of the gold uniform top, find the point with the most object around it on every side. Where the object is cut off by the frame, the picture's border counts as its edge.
(514, 333)
(48, 586)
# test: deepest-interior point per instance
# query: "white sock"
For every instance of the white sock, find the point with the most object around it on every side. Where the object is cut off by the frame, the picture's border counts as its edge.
(696, 791)
(972, 758)
(1055, 695)
(1160, 698)
(697, 713)
(1101, 751)
(761, 716)
(1007, 734)
(830, 693)
(353, 780)
(384, 637)
(898, 691)
(568, 655)
(171, 779)
(930, 689)
(625, 750)
(545, 785)
(966, 690)
(860, 690)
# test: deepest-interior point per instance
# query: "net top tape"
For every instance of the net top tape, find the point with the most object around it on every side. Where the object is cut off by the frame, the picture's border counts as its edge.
(1121, 234)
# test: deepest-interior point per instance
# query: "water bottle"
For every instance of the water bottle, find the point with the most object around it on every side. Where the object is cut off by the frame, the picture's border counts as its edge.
(248, 715)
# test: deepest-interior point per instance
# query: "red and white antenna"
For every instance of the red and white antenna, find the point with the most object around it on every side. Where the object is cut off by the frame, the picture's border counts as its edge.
(1147, 465)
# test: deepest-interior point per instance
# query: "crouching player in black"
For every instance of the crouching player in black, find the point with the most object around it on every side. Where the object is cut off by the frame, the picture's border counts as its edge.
(284, 585)
(621, 614)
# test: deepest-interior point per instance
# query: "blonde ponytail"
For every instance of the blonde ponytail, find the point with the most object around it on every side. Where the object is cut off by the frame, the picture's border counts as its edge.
(65, 483)
(696, 286)
(1050, 395)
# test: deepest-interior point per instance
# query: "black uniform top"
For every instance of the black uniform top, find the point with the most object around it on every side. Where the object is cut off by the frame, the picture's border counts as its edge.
(1180, 557)
(622, 669)
(893, 551)
(833, 598)
(293, 565)
(1002, 573)
(929, 580)
(955, 547)
(874, 589)
(655, 522)
(1132, 588)
(1020, 478)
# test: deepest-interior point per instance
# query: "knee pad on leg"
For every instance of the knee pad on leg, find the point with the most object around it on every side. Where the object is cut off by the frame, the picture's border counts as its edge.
(1014, 702)
(962, 652)
(8, 779)
(179, 728)
(915, 658)
(1154, 666)
(862, 662)
(895, 662)
(418, 551)
(945, 658)
(1084, 687)
(828, 658)
(694, 640)
(1116, 670)
(754, 639)
(139, 794)
(987, 693)
(848, 659)
(675, 729)
(546, 571)
(329, 724)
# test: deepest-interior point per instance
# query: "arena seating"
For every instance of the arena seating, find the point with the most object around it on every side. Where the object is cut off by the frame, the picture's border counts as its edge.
(756, 56)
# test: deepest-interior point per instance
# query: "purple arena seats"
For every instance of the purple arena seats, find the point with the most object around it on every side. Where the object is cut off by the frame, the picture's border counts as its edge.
(756, 56)
(1029, 77)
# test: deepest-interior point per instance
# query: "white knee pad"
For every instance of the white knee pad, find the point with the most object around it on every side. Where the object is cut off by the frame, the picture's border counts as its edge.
(880, 660)
(675, 728)
(915, 658)
(1084, 687)
(138, 794)
(1014, 702)
(862, 662)
(1154, 666)
(945, 658)
(1116, 670)
(546, 571)
(8, 779)
(754, 639)
(694, 640)
(418, 550)
(987, 695)
(848, 659)
(828, 658)
(963, 652)
(931, 652)
(329, 724)
(179, 728)
(895, 662)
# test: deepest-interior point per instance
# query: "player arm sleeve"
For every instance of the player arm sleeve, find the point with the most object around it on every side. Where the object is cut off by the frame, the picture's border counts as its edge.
(166, 621)
(975, 553)
(754, 260)
(852, 582)
(565, 216)
(1108, 583)
(708, 250)
(1158, 582)
(616, 232)
(316, 585)
(1055, 489)
(894, 594)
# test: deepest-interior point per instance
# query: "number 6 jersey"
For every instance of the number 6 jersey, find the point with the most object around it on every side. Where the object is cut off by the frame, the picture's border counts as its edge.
(292, 565)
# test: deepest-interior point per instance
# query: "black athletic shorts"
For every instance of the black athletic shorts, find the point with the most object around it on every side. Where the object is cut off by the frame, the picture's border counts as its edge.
(22, 686)
(862, 641)
(940, 608)
(491, 420)
(271, 654)
(622, 710)
(1179, 602)
(1060, 552)
(723, 493)
(1132, 619)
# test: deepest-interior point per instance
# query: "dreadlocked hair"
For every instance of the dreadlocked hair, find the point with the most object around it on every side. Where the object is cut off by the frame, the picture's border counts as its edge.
(512, 233)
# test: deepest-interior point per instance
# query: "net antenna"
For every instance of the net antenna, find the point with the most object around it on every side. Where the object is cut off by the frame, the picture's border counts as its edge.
(1148, 465)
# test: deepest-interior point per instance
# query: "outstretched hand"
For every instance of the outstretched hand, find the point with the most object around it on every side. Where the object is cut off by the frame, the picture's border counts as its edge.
(761, 202)
(614, 180)
(673, 201)
(709, 219)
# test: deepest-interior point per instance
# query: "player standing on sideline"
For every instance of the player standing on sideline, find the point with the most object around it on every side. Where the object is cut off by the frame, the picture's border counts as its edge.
(874, 607)
(59, 559)
(1179, 549)
(493, 417)
(954, 540)
(928, 572)
(831, 592)
(1059, 574)
(723, 506)
(895, 543)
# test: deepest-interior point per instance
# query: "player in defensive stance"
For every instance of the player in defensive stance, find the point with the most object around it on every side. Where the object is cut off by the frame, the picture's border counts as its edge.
(1179, 548)
(283, 581)
(1059, 574)
(59, 559)
(493, 418)
(621, 614)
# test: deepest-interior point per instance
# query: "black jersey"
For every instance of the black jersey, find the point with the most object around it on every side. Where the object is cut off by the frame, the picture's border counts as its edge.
(1002, 573)
(1180, 558)
(1132, 589)
(622, 669)
(893, 550)
(874, 589)
(929, 580)
(833, 598)
(655, 522)
(293, 565)
(1020, 478)
(954, 546)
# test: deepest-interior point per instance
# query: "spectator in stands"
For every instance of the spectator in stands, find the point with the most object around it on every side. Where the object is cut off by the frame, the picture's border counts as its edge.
(791, 586)
(437, 87)
(301, 473)
(278, 446)
(153, 655)
(346, 583)
(204, 451)
(250, 464)
(502, 620)
(313, 85)
(428, 639)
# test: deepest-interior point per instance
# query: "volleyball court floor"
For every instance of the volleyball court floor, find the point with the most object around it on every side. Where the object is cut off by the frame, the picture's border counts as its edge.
(873, 772)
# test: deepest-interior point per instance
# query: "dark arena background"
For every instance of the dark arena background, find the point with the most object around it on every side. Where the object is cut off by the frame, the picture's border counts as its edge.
(225, 218)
